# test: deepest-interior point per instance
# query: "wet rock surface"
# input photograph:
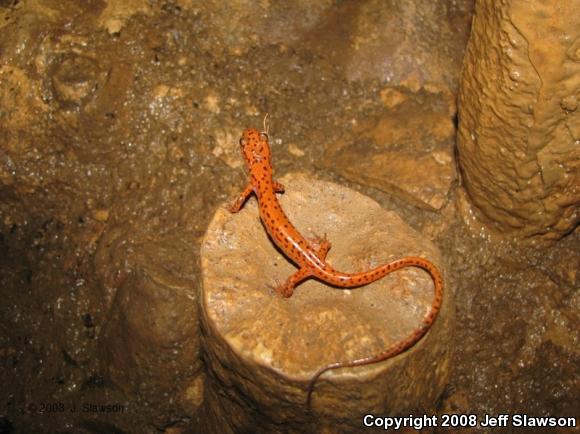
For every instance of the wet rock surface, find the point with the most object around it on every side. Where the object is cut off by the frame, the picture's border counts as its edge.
(267, 347)
(149, 345)
(119, 123)
(520, 125)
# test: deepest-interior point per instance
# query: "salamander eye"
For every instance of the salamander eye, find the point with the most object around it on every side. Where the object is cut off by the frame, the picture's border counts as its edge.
(243, 142)
(264, 136)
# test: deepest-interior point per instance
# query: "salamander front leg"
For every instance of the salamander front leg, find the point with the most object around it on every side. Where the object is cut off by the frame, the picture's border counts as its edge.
(287, 289)
(241, 199)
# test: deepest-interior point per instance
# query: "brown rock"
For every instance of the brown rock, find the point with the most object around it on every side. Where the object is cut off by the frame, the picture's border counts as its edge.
(238, 25)
(408, 43)
(414, 43)
(116, 14)
(411, 155)
(520, 127)
(262, 350)
(150, 342)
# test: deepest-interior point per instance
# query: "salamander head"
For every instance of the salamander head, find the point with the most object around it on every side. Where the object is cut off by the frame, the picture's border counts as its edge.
(255, 147)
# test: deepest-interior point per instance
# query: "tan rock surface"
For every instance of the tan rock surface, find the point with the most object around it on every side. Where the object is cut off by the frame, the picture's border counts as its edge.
(519, 120)
(262, 349)
(407, 152)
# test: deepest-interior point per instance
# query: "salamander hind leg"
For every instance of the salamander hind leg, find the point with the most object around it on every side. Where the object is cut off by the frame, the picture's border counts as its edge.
(321, 245)
(287, 289)
(278, 187)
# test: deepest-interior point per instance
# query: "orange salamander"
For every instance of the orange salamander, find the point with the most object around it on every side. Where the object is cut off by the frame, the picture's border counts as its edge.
(310, 255)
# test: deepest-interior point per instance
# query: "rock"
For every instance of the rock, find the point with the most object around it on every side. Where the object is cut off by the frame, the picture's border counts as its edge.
(149, 344)
(415, 136)
(75, 79)
(115, 15)
(261, 350)
(407, 43)
(520, 127)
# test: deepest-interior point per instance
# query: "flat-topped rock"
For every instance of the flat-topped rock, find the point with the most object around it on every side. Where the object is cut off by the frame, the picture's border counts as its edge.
(264, 349)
